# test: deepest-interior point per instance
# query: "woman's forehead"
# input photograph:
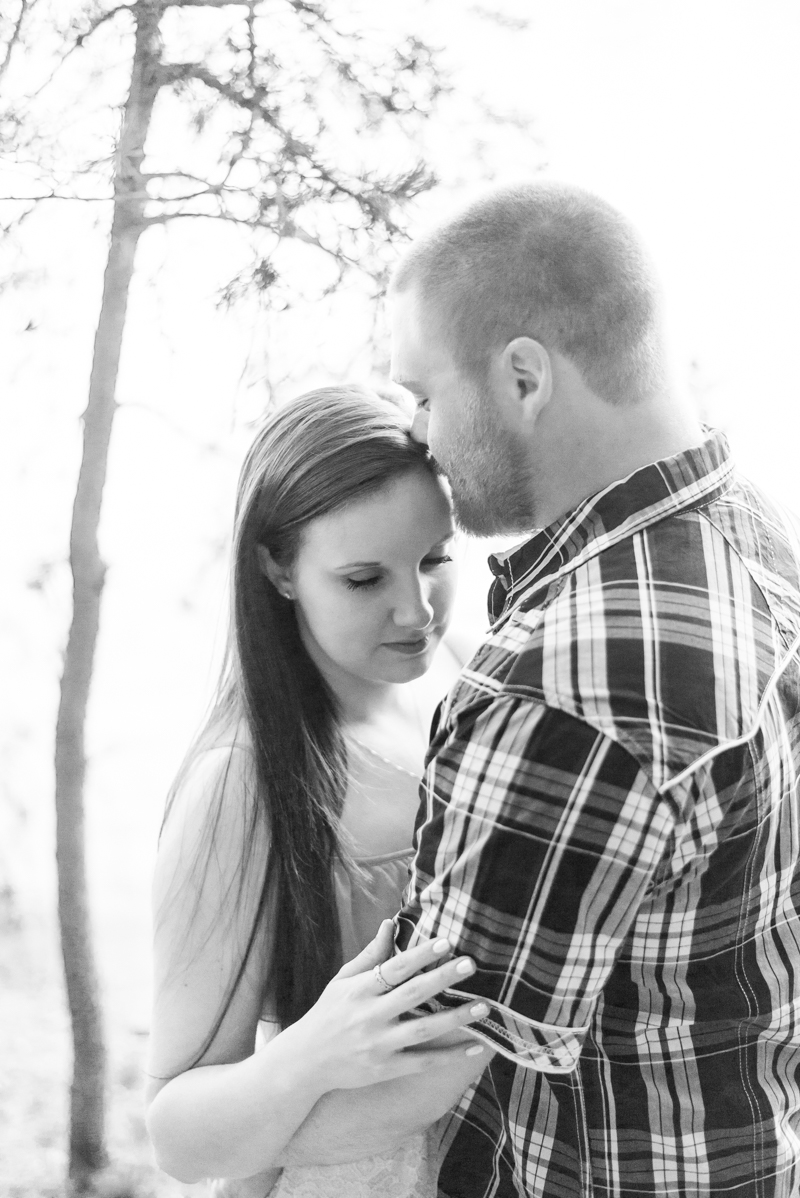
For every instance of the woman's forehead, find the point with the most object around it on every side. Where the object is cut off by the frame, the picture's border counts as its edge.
(412, 510)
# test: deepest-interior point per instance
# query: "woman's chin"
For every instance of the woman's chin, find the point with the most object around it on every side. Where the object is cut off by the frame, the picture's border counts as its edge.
(397, 667)
(417, 669)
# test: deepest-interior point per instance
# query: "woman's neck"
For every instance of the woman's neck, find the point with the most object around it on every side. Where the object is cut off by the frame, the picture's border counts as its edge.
(391, 725)
(359, 700)
(367, 703)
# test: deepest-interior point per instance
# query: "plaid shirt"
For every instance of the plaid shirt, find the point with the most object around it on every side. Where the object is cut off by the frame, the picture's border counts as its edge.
(610, 827)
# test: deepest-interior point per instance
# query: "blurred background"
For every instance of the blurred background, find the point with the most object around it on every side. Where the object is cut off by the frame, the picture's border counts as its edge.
(273, 210)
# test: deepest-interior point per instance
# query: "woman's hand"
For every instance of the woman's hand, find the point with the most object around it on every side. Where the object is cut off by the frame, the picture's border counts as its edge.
(355, 1035)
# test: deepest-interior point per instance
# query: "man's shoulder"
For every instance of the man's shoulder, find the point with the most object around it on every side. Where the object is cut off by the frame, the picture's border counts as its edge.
(637, 640)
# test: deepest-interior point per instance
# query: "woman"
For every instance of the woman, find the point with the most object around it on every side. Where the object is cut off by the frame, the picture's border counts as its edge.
(288, 831)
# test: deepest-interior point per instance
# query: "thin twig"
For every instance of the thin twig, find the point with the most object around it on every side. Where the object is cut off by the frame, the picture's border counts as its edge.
(25, 6)
(53, 195)
(206, 3)
(95, 25)
(77, 45)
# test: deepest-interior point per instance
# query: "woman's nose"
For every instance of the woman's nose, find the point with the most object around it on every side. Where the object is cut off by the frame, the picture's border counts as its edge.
(414, 609)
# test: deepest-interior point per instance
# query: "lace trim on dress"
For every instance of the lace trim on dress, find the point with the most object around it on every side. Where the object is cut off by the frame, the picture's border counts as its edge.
(408, 1172)
(386, 760)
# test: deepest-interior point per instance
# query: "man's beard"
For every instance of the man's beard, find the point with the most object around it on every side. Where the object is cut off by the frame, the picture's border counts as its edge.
(489, 476)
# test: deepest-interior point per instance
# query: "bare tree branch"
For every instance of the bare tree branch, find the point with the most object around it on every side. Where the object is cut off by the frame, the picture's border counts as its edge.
(54, 195)
(178, 72)
(78, 43)
(24, 7)
(95, 24)
(203, 186)
(163, 218)
(17, 221)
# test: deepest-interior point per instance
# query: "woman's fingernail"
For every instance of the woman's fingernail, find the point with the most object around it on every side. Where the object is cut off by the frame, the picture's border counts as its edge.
(441, 946)
(465, 966)
(479, 1010)
(473, 1052)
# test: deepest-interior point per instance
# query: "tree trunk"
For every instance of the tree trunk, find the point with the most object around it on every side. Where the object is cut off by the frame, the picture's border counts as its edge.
(87, 1151)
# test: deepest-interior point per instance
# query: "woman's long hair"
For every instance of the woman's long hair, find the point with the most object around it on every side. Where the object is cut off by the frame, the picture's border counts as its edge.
(318, 453)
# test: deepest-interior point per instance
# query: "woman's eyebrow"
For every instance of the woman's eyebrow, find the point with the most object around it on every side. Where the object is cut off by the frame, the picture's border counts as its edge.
(442, 540)
(357, 565)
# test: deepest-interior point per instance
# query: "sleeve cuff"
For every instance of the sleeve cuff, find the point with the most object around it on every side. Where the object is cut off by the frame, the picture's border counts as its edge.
(545, 1047)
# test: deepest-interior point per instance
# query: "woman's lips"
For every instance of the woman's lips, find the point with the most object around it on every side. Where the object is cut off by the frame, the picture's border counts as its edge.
(409, 648)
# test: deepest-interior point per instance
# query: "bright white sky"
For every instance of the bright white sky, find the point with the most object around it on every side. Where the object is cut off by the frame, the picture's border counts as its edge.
(684, 113)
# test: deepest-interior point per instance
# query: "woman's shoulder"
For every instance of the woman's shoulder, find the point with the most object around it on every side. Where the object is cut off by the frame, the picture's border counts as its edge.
(213, 810)
(228, 767)
(225, 764)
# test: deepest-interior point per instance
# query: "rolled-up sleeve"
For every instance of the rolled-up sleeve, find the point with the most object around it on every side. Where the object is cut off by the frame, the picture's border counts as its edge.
(537, 840)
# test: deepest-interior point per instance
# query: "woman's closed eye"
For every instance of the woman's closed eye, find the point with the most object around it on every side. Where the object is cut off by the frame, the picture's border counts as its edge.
(430, 563)
(427, 563)
(360, 584)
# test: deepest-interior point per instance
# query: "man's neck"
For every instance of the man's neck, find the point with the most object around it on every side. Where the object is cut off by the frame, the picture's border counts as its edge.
(603, 444)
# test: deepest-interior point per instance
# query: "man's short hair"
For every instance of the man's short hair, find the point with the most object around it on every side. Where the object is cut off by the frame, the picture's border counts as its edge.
(548, 261)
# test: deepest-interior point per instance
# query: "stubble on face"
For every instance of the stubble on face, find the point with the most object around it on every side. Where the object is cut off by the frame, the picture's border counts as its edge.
(487, 469)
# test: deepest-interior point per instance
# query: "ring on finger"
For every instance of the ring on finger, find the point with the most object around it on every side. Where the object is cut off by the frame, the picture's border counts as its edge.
(381, 979)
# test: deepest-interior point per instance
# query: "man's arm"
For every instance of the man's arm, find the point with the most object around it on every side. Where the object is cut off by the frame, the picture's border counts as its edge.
(558, 834)
(540, 839)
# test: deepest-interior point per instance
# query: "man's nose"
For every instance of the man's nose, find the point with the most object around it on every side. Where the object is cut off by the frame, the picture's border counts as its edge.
(419, 426)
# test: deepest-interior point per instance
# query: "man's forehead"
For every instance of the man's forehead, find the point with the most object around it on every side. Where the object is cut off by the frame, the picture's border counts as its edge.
(414, 350)
(403, 314)
(403, 324)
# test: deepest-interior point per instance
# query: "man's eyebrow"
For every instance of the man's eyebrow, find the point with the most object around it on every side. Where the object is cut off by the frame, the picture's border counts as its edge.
(410, 385)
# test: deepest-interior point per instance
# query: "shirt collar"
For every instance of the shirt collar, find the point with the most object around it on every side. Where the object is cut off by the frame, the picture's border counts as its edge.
(649, 494)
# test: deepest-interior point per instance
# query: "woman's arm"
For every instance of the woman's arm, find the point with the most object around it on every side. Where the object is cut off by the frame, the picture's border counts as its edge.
(231, 1114)
(346, 1125)
(236, 1120)
(230, 1120)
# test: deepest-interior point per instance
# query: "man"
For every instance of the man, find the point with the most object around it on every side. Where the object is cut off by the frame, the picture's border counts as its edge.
(610, 824)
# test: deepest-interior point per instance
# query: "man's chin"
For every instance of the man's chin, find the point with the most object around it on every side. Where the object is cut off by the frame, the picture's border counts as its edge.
(480, 521)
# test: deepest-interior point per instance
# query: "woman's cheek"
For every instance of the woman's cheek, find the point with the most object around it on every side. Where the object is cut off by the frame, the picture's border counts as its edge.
(357, 616)
(334, 616)
(445, 595)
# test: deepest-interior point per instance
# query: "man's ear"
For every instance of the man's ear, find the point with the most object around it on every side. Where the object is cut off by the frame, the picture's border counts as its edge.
(526, 380)
(278, 575)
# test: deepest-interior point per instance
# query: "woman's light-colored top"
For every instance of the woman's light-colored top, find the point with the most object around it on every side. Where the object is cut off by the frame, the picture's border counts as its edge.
(363, 902)
(381, 803)
(379, 812)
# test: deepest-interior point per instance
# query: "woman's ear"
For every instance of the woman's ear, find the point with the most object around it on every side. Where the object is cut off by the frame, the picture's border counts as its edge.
(278, 575)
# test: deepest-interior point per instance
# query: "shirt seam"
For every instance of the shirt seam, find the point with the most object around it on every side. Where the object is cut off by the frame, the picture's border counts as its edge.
(562, 571)
(745, 567)
(522, 694)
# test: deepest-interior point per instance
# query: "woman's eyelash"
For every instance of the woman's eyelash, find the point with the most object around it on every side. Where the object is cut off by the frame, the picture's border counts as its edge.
(361, 584)
(358, 584)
